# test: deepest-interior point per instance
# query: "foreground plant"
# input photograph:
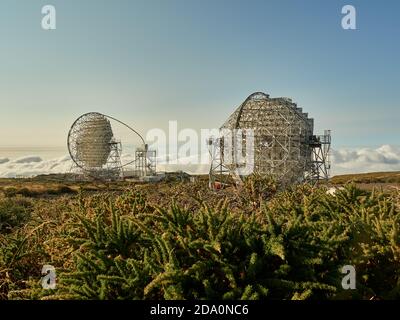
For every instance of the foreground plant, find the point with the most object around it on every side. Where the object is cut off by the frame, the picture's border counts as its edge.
(289, 245)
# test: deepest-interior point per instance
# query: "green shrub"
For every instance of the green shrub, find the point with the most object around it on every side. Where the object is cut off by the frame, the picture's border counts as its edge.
(13, 213)
(25, 192)
(10, 192)
(60, 190)
(283, 245)
(66, 189)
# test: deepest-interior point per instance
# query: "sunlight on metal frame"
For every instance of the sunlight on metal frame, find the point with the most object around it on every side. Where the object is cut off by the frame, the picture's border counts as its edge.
(96, 153)
(285, 146)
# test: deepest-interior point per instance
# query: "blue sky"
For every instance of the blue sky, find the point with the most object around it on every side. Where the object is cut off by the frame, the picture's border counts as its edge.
(147, 62)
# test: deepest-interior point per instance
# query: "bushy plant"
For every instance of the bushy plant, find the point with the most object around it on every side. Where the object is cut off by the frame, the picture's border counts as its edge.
(270, 244)
(13, 213)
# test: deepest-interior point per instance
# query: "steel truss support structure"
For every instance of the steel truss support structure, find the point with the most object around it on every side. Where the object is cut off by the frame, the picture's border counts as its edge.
(95, 152)
(219, 173)
(145, 161)
(320, 160)
(112, 171)
(283, 148)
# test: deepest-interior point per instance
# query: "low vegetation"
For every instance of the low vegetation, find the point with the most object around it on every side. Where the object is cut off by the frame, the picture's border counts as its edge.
(368, 178)
(14, 213)
(179, 240)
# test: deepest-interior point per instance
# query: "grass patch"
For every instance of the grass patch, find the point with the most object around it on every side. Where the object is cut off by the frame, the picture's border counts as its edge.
(14, 213)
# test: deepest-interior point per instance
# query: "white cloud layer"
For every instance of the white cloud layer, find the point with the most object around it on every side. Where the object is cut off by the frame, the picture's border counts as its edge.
(32, 165)
(384, 158)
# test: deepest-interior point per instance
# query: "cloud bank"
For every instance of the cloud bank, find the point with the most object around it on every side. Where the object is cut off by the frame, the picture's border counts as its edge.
(30, 166)
(384, 158)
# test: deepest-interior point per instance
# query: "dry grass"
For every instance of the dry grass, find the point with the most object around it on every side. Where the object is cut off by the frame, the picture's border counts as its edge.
(380, 178)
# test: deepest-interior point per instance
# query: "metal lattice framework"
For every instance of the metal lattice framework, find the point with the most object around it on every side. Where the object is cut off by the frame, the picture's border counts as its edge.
(93, 148)
(321, 164)
(145, 163)
(283, 142)
(219, 173)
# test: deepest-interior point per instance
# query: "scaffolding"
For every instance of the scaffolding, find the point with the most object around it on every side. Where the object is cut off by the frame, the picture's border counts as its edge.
(320, 160)
(111, 171)
(284, 146)
(145, 161)
(219, 173)
(95, 152)
(93, 148)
